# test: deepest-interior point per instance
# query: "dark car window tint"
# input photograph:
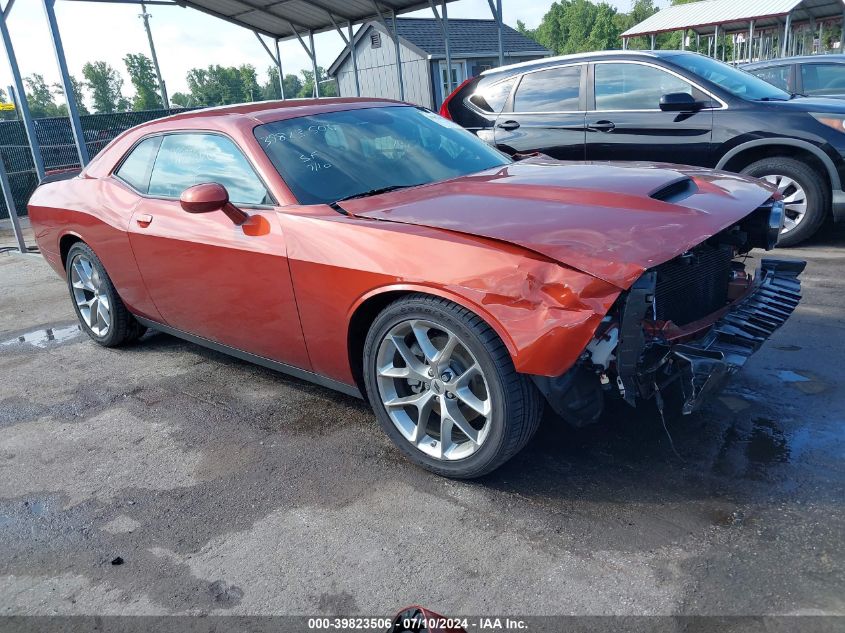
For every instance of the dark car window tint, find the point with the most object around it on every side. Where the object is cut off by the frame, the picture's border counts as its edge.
(332, 155)
(135, 170)
(635, 86)
(185, 160)
(553, 90)
(775, 75)
(823, 79)
(492, 98)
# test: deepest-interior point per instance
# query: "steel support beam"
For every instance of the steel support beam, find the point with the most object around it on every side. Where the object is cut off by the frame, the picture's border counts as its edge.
(751, 41)
(18, 96)
(443, 22)
(652, 41)
(9, 197)
(277, 61)
(310, 52)
(279, 70)
(165, 103)
(398, 49)
(349, 41)
(786, 35)
(716, 42)
(842, 34)
(496, 9)
(314, 64)
(70, 97)
(354, 59)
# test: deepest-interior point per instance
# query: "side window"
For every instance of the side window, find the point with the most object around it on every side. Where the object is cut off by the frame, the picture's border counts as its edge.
(823, 79)
(186, 159)
(492, 98)
(637, 87)
(553, 90)
(775, 75)
(135, 170)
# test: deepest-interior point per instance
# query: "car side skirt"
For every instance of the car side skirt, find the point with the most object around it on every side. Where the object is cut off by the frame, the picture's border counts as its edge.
(269, 363)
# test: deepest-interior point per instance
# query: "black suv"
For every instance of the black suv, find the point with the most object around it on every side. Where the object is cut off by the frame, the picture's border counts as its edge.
(666, 106)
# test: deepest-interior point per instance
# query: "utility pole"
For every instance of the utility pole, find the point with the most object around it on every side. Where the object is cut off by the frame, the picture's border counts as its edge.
(146, 18)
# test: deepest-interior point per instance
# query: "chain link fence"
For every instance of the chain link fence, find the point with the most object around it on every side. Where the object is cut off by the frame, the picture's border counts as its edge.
(55, 137)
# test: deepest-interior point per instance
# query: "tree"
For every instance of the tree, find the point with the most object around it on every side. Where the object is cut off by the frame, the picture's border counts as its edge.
(270, 90)
(144, 80)
(78, 94)
(106, 87)
(215, 85)
(524, 30)
(327, 89)
(39, 97)
(181, 100)
(249, 83)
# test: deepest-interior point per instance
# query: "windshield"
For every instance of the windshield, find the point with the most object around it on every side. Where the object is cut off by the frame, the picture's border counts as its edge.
(335, 155)
(738, 82)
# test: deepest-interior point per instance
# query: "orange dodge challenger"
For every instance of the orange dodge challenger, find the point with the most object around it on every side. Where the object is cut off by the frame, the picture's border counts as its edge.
(378, 249)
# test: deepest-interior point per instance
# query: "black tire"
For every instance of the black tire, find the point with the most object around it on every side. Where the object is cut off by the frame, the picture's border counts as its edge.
(815, 189)
(516, 404)
(124, 328)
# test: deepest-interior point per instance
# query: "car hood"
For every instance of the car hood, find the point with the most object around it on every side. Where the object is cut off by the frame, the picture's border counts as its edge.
(809, 104)
(610, 220)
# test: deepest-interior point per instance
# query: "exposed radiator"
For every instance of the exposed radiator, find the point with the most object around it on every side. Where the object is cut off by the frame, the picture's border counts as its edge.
(693, 285)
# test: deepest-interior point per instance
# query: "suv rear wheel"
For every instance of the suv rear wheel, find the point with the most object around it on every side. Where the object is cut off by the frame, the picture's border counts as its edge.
(804, 193)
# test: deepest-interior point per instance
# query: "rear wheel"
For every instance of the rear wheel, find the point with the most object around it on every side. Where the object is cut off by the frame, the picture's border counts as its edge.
(804, 194)
(100, 311)
(444, 388)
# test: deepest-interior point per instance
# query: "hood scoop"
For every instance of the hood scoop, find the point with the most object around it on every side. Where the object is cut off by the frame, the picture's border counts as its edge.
(675, 191)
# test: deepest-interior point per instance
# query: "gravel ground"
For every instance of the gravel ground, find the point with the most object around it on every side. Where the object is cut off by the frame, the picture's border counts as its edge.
(227, 488)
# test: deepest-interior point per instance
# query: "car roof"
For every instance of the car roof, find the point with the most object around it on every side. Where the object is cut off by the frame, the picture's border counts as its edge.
(835, 58)
(237, 119)
(582, 57)
(268, 111)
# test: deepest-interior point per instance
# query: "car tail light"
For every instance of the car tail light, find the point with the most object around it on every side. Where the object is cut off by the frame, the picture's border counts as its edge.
(444, 109)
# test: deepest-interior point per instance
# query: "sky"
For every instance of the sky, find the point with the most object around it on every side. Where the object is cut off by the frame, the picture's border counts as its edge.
(185, 38)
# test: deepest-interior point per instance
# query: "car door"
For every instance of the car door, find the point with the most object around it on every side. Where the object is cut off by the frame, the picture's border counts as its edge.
(624, 120)
(545, 113)
(208, 276)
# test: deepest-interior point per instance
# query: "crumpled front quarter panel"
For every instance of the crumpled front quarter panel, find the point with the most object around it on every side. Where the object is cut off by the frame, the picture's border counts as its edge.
(545, 313)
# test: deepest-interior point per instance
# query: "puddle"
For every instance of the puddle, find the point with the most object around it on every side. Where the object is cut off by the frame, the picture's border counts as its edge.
(787, 375)
(803, 381)
(45, 337)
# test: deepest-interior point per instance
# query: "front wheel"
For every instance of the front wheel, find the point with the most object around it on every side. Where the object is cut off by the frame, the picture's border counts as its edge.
(804, 192)
(444, 388)
(102, 315)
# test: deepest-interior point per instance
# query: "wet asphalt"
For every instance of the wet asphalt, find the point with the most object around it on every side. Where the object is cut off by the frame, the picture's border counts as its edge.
(222, 487)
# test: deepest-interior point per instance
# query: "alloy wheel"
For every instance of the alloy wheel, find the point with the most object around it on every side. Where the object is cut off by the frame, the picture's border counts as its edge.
(433, 389)
(90, 295)
(794, 199)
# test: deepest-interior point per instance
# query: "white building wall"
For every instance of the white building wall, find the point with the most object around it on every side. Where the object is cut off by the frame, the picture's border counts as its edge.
(377, 72)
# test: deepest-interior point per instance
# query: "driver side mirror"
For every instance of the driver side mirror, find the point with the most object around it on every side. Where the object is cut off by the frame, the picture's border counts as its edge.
(680, 102)
(208, 197)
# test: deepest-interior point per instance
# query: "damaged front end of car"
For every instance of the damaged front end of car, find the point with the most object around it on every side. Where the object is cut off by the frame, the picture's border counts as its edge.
(685, 325)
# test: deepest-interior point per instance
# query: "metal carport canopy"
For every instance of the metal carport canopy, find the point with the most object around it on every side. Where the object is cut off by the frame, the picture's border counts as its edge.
(285, 19)
(704, 16)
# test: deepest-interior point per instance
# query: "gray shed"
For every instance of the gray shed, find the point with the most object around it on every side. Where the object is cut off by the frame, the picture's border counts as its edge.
(473, 45)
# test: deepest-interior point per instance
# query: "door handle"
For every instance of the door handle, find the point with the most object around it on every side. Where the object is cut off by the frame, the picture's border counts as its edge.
(144, 220)
(508, 125)
(602, 126)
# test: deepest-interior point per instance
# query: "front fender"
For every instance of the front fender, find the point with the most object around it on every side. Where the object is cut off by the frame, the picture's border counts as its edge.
(544, 313)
